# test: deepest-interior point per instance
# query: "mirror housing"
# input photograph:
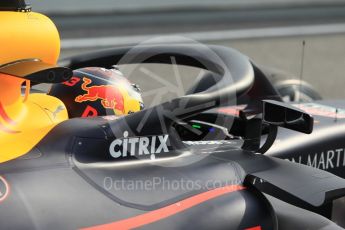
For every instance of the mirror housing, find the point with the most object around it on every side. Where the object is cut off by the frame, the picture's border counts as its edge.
(287, 116)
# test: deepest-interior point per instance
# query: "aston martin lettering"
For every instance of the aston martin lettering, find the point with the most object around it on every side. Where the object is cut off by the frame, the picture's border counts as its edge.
(139, 146)
(329, 159)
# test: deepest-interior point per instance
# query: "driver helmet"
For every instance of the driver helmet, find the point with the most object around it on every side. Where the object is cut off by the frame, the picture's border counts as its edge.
(95, 91)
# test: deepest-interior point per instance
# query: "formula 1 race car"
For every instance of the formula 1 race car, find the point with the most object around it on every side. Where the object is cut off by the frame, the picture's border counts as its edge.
(195, 162)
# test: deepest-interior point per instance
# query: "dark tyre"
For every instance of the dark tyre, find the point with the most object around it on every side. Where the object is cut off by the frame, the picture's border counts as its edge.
(290, 87)
(295, 90)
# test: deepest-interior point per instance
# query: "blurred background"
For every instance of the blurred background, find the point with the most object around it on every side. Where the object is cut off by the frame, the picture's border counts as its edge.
(270, 32)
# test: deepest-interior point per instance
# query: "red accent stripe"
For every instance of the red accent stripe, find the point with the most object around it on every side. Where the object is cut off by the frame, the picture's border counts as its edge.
(254, 228)
(4, 115)
(231, 110)
(7, 119)
(156, 215)
(7, 130)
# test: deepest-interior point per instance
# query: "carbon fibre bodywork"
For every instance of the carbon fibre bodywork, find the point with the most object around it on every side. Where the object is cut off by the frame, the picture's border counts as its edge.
(52, 187)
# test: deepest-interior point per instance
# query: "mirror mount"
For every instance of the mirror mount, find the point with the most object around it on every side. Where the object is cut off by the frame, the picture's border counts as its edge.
(287, 116)
(274, 114)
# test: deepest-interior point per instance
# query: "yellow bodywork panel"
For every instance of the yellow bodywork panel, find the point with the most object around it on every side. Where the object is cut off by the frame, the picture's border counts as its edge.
(28, 35)
(25, 120)
(36, 117)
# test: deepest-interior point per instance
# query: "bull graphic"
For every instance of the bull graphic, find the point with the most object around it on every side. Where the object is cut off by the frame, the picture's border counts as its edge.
(110, 95)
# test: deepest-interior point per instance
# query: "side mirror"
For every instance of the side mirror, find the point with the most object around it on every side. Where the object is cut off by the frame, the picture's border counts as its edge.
(286, 116)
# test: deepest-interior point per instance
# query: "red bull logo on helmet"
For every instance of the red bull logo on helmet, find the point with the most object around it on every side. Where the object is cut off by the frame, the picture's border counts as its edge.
(110, 95)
